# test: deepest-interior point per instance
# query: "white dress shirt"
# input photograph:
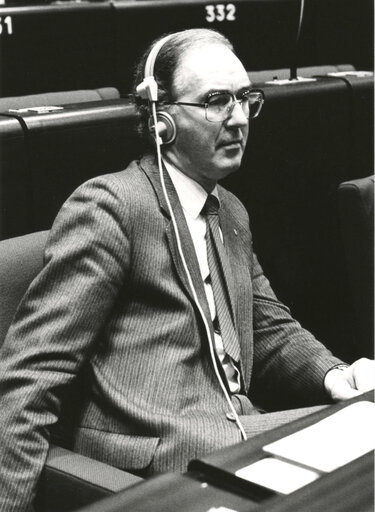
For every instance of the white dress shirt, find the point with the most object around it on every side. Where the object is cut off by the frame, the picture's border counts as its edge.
(192, 197)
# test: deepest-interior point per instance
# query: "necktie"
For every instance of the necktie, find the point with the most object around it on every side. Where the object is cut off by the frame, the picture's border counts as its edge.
(217, 262)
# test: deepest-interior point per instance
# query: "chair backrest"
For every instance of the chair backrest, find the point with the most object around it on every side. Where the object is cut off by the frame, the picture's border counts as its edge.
(58, 98)
(21, 259)
(356, 211)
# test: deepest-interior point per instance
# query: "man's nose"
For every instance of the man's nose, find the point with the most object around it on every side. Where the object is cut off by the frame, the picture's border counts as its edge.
(237, 116)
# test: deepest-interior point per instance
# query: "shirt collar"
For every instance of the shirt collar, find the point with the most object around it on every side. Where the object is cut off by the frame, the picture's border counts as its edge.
(191, 194)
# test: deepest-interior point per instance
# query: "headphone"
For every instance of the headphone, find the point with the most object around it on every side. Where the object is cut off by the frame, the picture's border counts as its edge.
(162, 126)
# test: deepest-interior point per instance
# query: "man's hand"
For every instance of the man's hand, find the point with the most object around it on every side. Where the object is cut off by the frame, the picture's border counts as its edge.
(343, 383)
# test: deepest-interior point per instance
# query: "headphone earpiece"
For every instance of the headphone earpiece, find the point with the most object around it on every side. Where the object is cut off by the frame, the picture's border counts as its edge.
(165, 126)
(148, 89)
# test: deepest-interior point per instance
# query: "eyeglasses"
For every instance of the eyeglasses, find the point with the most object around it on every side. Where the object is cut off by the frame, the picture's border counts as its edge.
(220, 105)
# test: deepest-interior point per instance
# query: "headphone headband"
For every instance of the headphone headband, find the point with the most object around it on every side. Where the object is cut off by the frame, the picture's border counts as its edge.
(150, 62)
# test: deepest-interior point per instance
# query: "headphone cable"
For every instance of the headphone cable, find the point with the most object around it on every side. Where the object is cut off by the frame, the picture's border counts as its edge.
(191, 284)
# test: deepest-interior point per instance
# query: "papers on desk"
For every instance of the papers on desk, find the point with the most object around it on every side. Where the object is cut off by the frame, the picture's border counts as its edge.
(332, 442)
(221, 509)
(289, 81)
(278, 475)
(300, 458)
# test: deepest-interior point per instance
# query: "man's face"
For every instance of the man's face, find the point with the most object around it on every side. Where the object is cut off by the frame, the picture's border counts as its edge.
(206, 151)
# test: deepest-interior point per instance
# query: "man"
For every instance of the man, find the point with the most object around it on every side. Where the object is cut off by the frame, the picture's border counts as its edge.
(127, 302)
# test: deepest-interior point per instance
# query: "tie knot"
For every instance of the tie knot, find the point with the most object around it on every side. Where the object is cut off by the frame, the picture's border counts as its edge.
(211, 206)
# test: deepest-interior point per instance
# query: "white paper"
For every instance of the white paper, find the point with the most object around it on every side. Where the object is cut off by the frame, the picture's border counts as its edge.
(287, 81)
(332, 442)
(221, 509)
(359, 74)
(277, 475)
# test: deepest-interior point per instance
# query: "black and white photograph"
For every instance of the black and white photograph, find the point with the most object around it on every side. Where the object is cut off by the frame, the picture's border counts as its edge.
(187, 256)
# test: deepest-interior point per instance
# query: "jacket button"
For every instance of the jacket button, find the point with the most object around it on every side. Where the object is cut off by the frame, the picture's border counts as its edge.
(230, 416)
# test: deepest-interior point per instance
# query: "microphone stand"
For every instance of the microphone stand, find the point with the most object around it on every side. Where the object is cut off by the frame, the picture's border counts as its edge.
(293, 67)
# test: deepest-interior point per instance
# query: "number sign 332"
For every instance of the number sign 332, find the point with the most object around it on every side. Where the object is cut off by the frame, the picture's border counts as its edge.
(220, 12)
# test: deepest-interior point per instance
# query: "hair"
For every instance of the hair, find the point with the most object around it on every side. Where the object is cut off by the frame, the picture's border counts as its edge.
(167, 65)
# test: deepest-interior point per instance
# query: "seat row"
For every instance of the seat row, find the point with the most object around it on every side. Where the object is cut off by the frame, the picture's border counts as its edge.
(86, 45)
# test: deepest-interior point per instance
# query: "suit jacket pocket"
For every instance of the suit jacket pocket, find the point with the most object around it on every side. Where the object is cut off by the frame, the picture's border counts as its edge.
(124, 451)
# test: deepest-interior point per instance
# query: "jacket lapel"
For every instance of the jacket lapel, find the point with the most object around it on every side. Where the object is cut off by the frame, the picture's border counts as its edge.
(236, 254)
(150, 167)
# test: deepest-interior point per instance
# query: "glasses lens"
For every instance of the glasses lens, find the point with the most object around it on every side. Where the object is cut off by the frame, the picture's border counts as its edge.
(255, 103)
(218, 107)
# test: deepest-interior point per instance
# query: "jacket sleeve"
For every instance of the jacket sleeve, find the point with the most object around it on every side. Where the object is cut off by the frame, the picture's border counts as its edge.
(289, 363)
(56, 328)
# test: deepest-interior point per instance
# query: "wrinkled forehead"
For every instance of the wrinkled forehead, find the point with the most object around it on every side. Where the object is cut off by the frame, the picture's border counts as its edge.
(208, 68)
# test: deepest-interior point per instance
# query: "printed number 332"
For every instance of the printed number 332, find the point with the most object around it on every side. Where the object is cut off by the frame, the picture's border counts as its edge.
(220, 12)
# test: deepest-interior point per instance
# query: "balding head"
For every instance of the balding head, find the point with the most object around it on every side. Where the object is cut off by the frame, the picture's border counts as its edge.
(167, 65)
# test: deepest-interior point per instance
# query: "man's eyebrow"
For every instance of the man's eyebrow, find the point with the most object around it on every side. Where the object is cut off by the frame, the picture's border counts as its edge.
(243, 89)
(213, 90)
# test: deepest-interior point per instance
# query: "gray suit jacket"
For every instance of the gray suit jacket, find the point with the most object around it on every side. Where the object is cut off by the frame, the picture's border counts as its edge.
(113, 305)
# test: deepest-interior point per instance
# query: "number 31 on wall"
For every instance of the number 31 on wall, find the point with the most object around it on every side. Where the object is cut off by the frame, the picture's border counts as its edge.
(220, 12)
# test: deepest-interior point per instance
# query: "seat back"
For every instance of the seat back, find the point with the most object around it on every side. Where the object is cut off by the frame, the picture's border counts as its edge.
(21, 259)
(356, 212)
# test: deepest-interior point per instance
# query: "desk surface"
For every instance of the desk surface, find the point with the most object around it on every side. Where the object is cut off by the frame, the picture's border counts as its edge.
(173, 493)
(208, 485)
(348, 489)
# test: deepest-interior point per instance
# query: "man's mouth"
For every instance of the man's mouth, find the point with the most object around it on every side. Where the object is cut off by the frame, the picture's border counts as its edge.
(232, 144)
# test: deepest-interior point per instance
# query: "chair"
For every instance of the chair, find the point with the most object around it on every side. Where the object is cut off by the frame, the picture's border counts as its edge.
(69, 480)
(356, 213)
(58, 98)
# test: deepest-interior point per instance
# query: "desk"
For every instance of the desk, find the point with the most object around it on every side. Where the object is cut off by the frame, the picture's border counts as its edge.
(348, 489)
(44, 157)
(172, 493)
(14, 179)
(208, 485)
(338, 490)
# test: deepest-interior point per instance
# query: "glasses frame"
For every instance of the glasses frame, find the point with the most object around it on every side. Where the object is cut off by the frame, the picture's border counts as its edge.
(235, 100)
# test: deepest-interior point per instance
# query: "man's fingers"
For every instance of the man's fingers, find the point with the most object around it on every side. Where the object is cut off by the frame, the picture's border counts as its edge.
(342, 390)
(364, 374)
